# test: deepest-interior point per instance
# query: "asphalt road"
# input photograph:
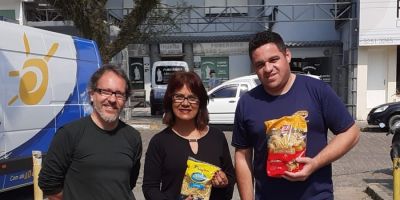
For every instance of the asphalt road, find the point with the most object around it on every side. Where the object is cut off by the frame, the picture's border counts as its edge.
(368, 162)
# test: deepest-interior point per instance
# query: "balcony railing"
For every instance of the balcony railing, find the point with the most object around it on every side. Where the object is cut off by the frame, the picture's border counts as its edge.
(196, 19)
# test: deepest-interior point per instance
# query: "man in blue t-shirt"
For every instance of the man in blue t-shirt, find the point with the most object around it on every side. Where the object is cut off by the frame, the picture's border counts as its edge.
(281, 94)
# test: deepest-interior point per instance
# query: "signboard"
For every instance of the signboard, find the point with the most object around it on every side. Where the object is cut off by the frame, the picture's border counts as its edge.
(164, 72)
(171, 49)
(136, 73)
(219, 64)
(138, 50)
(221, 48)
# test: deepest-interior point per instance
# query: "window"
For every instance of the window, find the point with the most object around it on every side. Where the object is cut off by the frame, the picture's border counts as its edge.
(10, 14)
(228, 91)
(226, 7)
(164, 72)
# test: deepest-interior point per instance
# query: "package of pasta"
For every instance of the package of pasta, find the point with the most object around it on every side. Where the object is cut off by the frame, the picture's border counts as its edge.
(287, 141)
(197, 180)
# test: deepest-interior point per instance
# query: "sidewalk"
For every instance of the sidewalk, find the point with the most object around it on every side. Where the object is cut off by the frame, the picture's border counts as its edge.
(379, 184)
(382, 188)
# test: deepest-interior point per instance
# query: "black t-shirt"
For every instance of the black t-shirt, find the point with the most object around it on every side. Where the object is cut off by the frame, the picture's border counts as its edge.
(86, 162)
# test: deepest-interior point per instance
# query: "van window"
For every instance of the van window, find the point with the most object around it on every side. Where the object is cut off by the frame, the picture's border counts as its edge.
(164, 72)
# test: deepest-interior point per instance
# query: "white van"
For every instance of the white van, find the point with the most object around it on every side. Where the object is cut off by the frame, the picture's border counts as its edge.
(43, 85)
(160, 74)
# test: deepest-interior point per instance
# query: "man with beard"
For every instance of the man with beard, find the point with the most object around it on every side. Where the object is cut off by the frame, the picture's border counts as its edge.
(96, 157)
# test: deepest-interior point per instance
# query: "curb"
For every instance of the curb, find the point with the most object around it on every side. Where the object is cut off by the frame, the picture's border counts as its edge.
(377, 192)
(146, 123)
(147, 126)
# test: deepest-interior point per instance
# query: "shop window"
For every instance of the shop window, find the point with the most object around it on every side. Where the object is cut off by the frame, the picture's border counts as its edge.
(225, 7)
(10, 14)
(219, 64)
(136, 73)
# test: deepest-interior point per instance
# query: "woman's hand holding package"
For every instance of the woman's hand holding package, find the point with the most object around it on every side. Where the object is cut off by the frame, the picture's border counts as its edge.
(220, 180)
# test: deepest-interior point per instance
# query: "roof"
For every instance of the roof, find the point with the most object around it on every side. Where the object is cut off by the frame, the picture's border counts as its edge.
(238, 38)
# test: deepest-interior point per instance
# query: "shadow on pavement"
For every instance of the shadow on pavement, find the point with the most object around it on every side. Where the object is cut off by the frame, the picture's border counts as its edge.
(374, 129)
(385, 179)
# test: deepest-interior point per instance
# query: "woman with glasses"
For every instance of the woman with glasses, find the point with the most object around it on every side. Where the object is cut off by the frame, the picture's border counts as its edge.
(187, 135)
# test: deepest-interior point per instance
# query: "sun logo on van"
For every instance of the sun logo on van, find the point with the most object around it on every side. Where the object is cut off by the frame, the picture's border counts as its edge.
(35, 76)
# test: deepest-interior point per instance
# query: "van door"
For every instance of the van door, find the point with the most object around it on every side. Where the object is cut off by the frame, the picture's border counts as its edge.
(222, 104)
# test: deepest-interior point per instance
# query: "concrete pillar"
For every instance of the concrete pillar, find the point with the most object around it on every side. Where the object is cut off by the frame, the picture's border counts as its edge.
(188, 56)
(154, 54)
(336, 62)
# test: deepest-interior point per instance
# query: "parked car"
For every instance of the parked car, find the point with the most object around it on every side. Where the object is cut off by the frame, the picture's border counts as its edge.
(306, 74)
(224, 98)
(385, 115)
(160, 74)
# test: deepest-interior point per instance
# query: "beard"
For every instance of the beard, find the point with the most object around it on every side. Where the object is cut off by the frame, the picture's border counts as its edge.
(107, 117)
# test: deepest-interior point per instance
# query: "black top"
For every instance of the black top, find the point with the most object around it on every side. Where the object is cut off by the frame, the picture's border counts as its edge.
(165, 163)
(86, 162)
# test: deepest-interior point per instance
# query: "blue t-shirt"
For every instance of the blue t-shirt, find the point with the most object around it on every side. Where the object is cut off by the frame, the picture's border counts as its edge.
(325, 111)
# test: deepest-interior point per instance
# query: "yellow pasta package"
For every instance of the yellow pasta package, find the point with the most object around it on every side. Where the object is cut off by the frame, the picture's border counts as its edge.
(197, 180)
(287, 141)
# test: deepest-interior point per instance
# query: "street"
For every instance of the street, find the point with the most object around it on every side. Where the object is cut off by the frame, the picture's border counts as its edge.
(368, 162)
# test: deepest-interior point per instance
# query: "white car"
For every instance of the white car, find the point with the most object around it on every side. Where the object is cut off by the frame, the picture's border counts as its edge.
(224, 98)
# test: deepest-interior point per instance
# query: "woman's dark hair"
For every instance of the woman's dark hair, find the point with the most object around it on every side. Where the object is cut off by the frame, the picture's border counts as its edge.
(109, 68)
(265, 37)
(195, 85)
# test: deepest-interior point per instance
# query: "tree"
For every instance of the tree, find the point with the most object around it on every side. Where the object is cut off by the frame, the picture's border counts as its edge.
(91, 18)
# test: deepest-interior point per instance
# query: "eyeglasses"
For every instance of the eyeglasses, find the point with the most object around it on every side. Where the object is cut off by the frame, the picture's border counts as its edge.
(180, 98)
(108, 93)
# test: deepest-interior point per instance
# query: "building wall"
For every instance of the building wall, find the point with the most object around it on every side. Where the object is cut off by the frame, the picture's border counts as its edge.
(379, 35)
(239, 62)
(15, 5)
(239, 65)
(376, 83)
(304, 29)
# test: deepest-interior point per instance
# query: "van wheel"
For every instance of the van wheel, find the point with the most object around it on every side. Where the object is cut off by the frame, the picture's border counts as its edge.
(153, 110)
(393, 120)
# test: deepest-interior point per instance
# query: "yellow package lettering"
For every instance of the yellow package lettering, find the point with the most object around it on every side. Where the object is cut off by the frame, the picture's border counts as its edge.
(197, 180)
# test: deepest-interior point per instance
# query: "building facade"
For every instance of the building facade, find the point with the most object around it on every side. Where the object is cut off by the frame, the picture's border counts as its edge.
(214, 35)
(378, 55)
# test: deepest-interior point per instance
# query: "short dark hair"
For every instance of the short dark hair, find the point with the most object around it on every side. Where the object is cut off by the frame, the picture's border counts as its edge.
(195, 85)
(265, 37)
(109, 68)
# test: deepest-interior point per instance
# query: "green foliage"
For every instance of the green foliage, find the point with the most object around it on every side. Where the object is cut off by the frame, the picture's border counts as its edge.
(92, 19)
